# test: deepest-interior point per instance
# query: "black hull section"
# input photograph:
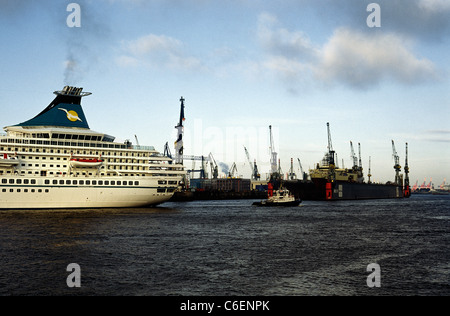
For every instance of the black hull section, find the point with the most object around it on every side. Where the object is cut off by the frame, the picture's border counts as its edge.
(317, 191)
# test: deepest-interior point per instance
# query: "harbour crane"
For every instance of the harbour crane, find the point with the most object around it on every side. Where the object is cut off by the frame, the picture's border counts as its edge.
(214, 167)
(331, 152)
(292, 175)
(232, 171)
(360, 168)
(353, 156)
(397, 166)
(359, 152)
(253, 167)
(407, 190)
(304, 174)
(167, 152)
(137, 141)
(273, 154)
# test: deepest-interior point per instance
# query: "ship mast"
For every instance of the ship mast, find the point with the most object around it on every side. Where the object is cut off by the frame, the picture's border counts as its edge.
(180, 131)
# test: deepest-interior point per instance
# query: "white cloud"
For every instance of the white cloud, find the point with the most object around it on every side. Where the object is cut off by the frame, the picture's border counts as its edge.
(434, 5)
(157, 51)
(280, 41)
(356, 59)
(361, 60)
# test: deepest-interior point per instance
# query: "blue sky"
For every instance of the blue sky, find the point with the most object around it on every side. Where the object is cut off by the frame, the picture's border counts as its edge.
(243, 65)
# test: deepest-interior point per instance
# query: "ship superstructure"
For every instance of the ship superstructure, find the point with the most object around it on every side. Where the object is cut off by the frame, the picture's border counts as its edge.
(55, 160)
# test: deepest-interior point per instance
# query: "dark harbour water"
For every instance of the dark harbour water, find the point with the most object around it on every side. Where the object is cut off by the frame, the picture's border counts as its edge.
(224, 248)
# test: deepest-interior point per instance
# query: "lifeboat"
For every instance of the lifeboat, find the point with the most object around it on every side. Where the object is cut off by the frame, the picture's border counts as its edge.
(86, 162)
(7, 161)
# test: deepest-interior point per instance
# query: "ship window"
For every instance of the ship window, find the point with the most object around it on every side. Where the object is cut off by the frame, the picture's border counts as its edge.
(25, 190)
(26, 181)
(119, 182)
(136, 182)
(75, 182)
(4, 181)
(130, 182)
(94, 182)
(55, 181)
(33, 181)
(159, 190)
(11, 190)
(11, 181)
(47, 181)
(3, 190)
(61, 181)
(32, 190)
(113, 182)
(88, 182)
(81, 181)
(39, 190)
(68, 181)
(46, 190)
(100, 182)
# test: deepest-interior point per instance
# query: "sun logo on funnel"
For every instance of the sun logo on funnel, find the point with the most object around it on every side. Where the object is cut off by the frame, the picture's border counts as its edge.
(71, 115)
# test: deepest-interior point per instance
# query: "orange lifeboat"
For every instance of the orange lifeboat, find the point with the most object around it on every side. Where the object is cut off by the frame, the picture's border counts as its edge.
(86, 162)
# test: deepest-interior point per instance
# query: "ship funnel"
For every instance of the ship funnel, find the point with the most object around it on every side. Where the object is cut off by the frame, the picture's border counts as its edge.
(64, 111)
(72, 91)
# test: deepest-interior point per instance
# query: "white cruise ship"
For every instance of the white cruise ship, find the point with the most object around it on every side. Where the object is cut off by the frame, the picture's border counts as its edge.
(55, 160)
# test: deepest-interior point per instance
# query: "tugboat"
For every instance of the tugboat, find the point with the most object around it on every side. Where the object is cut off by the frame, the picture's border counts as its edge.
(281, 197)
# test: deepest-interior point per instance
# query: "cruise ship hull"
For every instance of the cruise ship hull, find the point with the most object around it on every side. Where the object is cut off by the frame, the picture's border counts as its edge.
(342, 190)
(66, 194)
